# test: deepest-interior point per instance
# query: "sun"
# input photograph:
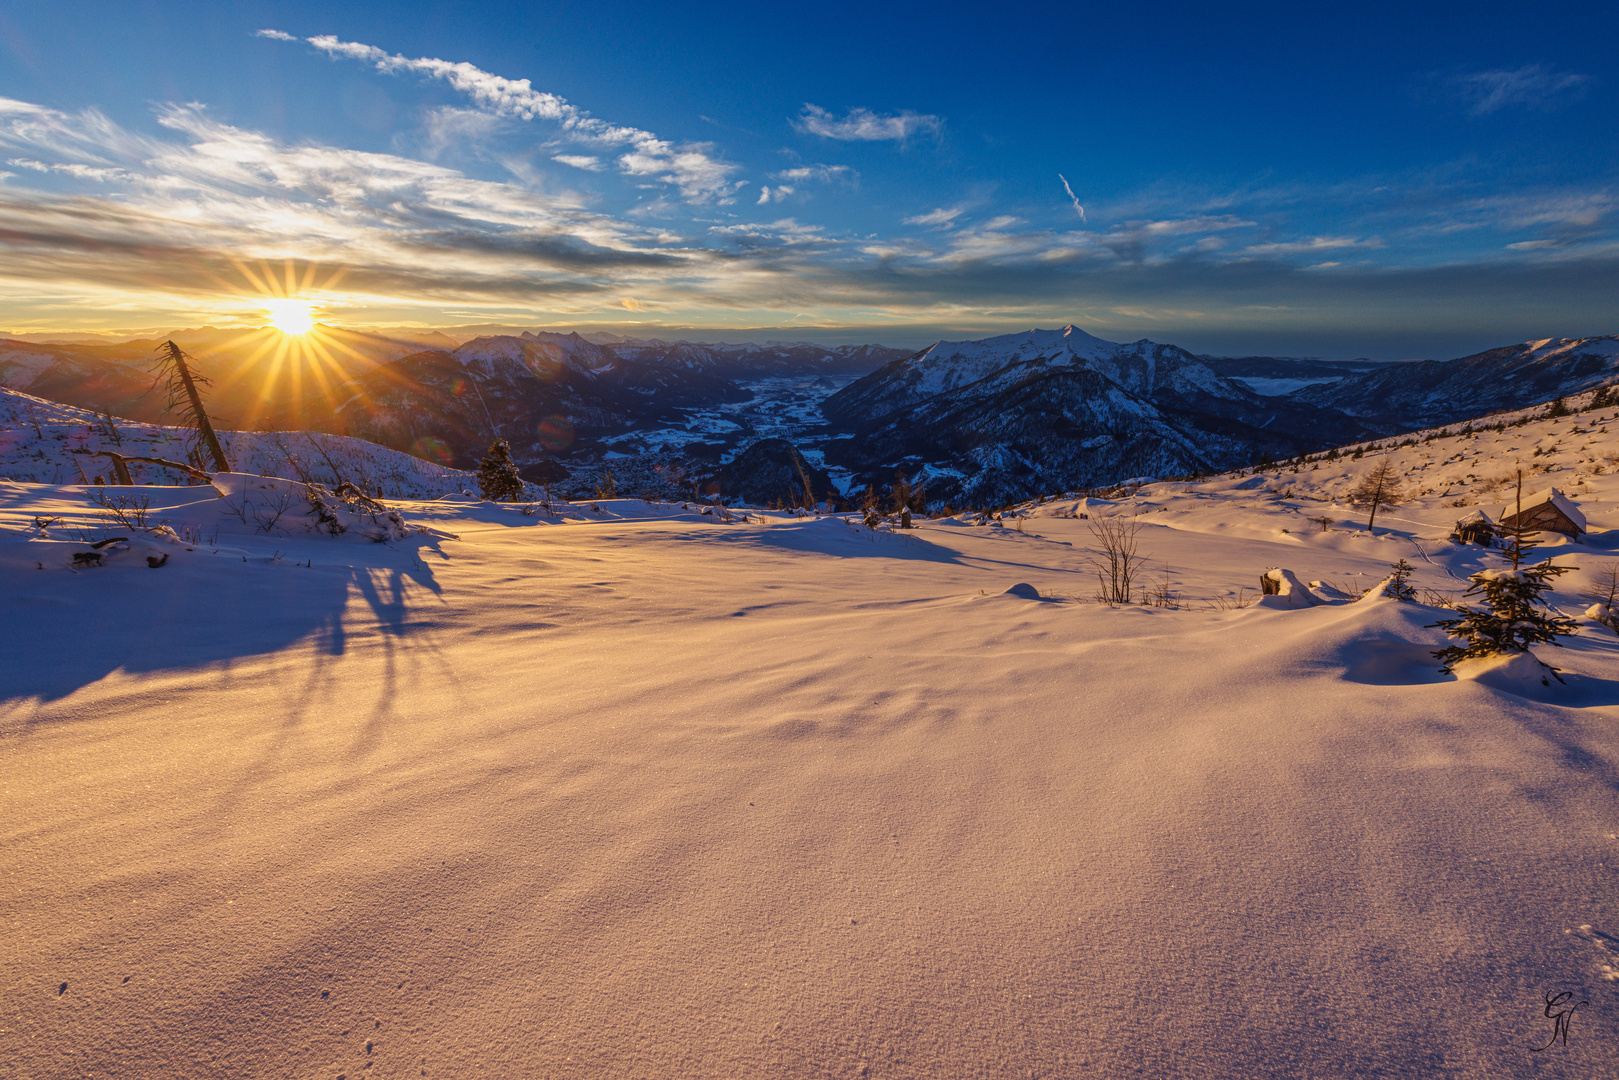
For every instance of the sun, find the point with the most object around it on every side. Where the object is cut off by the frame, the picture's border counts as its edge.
(291, 316)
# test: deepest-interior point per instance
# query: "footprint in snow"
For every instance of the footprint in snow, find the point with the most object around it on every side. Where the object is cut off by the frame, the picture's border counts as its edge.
(1607, 946)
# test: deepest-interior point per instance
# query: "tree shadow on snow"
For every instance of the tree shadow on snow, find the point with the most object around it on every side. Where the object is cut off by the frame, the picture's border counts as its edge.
(67, 631)
(829, 536)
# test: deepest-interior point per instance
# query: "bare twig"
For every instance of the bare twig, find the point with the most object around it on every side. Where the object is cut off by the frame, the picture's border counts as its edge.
(1119, 565)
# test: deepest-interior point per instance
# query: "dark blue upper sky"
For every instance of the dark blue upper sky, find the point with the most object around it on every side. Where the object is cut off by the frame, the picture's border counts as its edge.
(1392, 182)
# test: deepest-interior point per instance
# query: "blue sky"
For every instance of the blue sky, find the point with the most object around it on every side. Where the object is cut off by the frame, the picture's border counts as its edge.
(1287, 179)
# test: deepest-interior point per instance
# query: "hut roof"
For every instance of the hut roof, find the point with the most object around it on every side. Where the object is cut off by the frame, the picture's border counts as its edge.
(1549, 496)
(1477, 517)
(1563, 503)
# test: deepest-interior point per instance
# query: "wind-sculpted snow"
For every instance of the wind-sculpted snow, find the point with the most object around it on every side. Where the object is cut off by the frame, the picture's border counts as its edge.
(670, 791)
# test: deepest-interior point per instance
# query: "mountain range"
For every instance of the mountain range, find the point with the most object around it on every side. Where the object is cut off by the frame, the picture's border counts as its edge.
(977, 423)
(1019, 415)
(1406, 397)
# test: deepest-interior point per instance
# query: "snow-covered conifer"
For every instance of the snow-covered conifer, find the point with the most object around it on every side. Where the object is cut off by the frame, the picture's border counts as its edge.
(497, 474)
(1513, 617)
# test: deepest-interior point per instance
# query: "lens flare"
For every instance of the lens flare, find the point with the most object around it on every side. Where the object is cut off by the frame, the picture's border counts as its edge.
(555, 433)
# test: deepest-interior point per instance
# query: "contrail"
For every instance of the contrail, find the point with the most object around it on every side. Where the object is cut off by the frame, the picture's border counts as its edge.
(1072, 196)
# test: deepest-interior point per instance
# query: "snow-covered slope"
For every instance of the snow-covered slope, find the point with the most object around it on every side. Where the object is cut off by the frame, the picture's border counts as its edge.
(38, 440)
(636, 790)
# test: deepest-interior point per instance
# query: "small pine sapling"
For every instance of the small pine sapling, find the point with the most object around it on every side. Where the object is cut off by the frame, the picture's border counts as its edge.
(498, 478)
(1399, 584)
(1513, 617)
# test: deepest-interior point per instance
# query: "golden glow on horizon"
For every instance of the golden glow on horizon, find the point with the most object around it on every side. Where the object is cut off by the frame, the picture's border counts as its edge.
(292, 316)
(290, 370)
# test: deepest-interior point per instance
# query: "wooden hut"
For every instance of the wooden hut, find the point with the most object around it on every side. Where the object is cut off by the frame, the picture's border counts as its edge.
(1548, 511)
(1475, 528)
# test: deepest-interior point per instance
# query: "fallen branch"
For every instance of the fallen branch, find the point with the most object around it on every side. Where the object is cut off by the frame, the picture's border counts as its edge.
(121, 468)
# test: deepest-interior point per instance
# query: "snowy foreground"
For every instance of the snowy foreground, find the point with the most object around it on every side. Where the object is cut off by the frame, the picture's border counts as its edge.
(633, 791)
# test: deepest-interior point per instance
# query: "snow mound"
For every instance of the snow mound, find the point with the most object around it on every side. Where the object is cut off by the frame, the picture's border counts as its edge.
(1283, 589)
(271, 504)
(1516, 673)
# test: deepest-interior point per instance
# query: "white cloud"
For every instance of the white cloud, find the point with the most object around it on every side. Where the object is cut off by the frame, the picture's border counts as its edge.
(274, 35)
(941, 218)
(580, 161)
(1532, 85)
(776, 194)
(863, 125)
(690, 167)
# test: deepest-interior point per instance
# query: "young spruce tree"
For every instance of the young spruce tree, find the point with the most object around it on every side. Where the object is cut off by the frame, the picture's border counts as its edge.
(1399, 583)
(1514, 615)
(497, 474)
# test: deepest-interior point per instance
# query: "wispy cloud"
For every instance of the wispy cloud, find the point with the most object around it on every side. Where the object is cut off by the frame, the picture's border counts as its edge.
(1072, 197)
(447, 126)
(942, 218)
(786, 233)
(797, 177)
(825, 174)
(1315, 245)
(690, 167)
(1533, 85)
(274, 35)
(863, 125)
(580, 161)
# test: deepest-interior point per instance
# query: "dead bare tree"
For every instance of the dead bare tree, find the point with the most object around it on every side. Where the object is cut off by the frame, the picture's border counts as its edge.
(1380, 487)
(1521, 539)
(1605, 589)
(1120, 564)
(181, 384)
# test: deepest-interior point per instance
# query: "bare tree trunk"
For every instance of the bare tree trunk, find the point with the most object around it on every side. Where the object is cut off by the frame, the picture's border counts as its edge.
(199, 414)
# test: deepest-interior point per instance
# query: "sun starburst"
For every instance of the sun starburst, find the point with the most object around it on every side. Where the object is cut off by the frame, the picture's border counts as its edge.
(291, 315)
